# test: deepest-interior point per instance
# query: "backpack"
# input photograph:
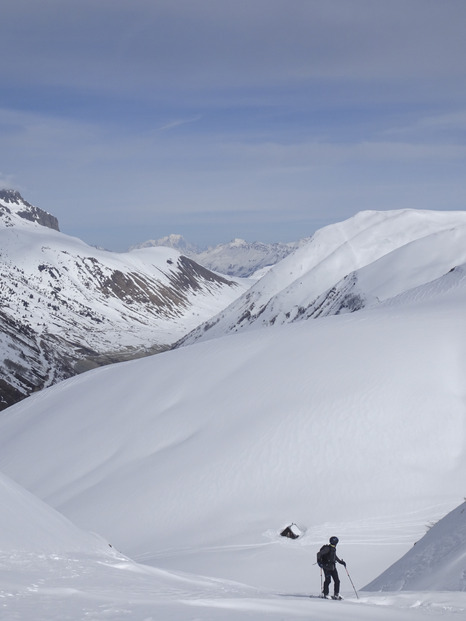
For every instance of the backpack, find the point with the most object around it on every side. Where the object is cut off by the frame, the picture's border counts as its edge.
(322, 555)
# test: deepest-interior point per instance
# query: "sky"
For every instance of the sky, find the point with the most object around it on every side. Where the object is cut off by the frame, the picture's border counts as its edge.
(261, 119)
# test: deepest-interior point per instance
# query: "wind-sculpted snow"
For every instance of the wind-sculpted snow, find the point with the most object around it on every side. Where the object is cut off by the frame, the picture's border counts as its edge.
(352, 425)
(347, 266)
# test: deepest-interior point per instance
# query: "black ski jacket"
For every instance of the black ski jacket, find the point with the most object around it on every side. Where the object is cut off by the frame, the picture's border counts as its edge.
(327, 557)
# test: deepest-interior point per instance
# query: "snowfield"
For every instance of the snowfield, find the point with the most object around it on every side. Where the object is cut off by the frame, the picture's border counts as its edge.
(191, 462)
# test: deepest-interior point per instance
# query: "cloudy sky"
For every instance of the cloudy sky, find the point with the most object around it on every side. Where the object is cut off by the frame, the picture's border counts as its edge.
(261, 119)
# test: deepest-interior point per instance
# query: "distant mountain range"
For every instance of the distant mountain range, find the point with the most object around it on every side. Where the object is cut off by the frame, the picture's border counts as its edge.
(66, 306)
(236, 258)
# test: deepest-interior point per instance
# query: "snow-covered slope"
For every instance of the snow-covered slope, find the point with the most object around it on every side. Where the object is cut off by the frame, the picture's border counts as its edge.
(436, 563)
(28, 525)
(52, 570)
(395, 277)
(65, 306)
(351, 425)
(347, 266)
(236, 258)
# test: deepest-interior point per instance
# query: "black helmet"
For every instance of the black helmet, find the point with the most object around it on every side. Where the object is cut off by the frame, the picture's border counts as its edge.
(333, 541)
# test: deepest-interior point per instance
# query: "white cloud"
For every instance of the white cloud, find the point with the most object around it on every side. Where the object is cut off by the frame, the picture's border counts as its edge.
(178, 123)
(452, 120)
(431, 127)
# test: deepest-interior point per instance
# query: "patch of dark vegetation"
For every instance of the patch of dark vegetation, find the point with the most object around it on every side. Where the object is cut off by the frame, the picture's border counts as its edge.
(95, 360)
(9, 395)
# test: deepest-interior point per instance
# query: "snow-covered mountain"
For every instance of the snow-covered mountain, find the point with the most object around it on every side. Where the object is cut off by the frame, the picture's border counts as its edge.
(194, 460)
(13, 206)
(244, 259)
(363, 261)
(236, 258)
(66, 306)
(174, 241)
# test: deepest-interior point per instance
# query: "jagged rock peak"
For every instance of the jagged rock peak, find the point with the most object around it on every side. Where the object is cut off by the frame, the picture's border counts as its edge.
(25, 210)
(13, 196)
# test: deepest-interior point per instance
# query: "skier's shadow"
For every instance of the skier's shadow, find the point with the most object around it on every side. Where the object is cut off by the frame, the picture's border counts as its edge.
(304, 595)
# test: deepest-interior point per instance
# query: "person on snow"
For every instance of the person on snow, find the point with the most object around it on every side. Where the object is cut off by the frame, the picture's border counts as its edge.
(327, 559)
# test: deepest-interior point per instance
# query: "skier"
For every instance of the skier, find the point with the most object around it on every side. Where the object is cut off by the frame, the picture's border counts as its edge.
(326, 558)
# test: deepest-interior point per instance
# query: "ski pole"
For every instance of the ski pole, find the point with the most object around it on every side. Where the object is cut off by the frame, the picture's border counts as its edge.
(321, 585)
(357, 596)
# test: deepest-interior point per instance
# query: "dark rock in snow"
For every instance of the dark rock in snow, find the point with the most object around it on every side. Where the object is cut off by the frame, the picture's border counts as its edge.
(28, 211)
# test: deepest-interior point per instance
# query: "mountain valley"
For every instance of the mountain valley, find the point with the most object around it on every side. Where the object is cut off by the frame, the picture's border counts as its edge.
(66, 307)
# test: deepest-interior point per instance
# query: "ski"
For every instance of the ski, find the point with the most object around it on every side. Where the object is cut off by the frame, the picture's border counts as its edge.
(335, 597)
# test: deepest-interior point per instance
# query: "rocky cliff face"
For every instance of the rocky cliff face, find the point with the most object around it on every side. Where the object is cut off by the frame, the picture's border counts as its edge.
(10, 199)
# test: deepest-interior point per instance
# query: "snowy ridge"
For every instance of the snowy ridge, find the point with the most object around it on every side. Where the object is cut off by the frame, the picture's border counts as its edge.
(347, 266)
(398, 277)
(66, 306)
(242, 425)
(437, 562)
(28, 524)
